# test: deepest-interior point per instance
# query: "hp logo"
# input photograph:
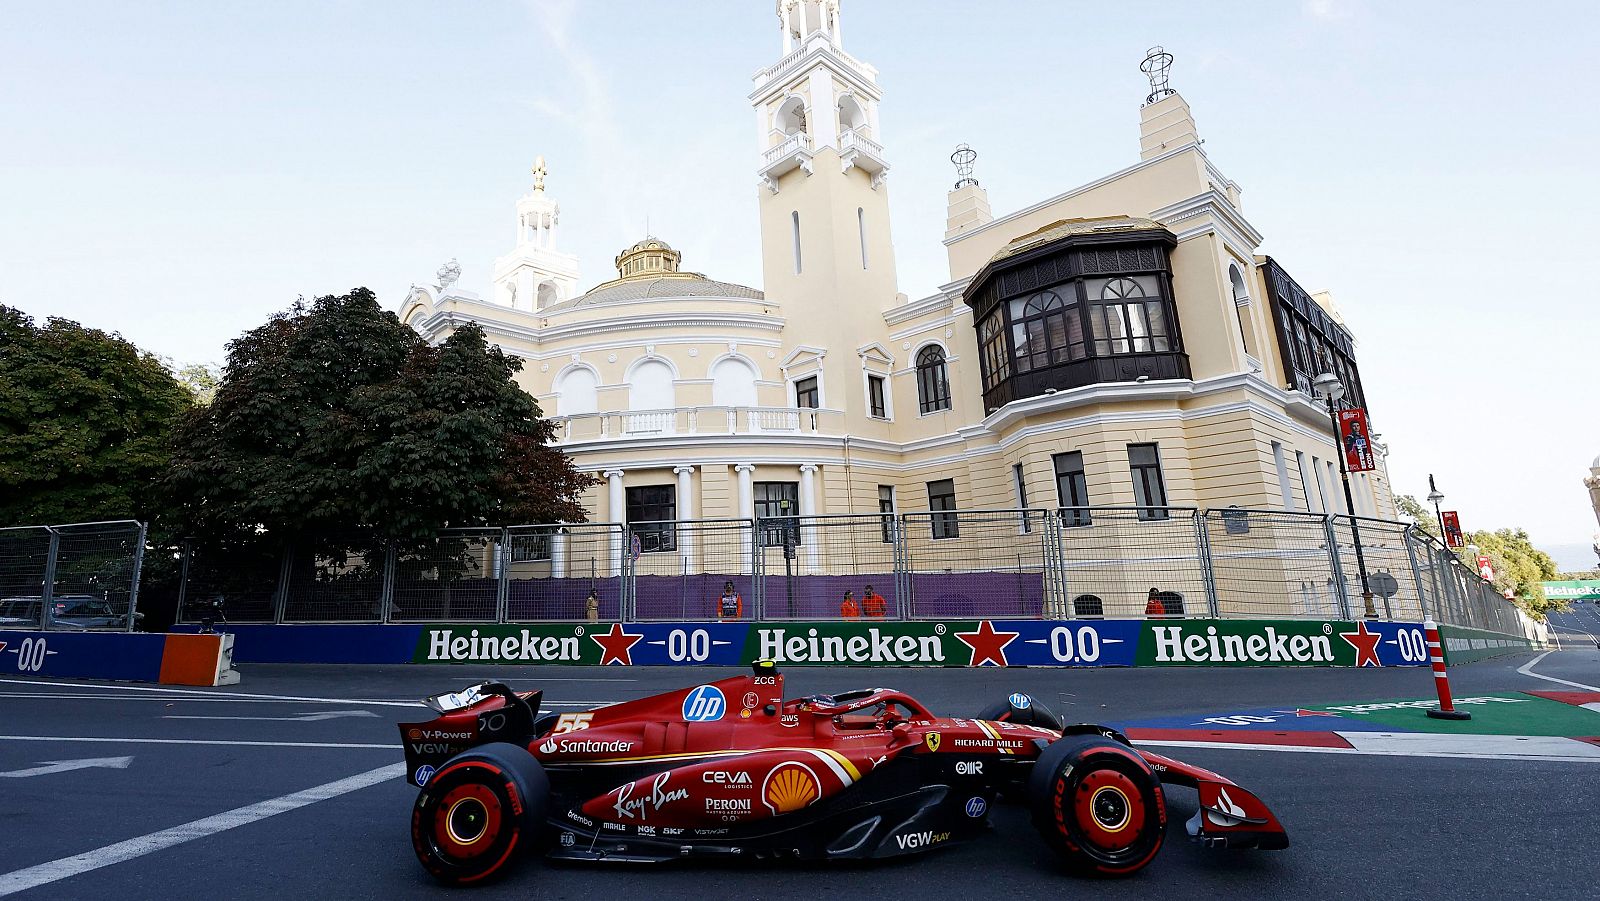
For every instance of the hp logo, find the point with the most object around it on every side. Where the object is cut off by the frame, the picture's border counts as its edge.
(1020, 701)
(703, 705)
(976, 807)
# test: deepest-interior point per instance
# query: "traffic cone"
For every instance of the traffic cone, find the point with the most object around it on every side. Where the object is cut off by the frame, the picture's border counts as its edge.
(1441, 679)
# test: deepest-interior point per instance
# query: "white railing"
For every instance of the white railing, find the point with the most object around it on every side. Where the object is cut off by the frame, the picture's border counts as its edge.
(855, 140)
(700, 421)
(795, 142)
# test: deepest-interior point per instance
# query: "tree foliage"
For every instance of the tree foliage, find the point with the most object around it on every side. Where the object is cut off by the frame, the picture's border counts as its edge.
(1413, 510)
(85, 419)
(334, 421)
(1518, 566)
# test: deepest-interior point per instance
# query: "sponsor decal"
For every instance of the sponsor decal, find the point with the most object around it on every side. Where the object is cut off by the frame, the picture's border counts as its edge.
(572, 722)
(751, 701)
(629, 807)
(617, 826)
(843, 643)
(668, 830)
(558, 644)
(1008, 744)
(704, 704)
(790, 786)
(727, 805)
(1365, 643)
(976, 807)
(424, 773)
(744, 714)
(722, 831)
(616, 646)
(414, 734)
(439, 735)
(580, 819)
(922, 839)
(433, 748)
(969, 768)
(646, 830)
(988, 646)
(1240, 643)
(1020, 701)
(1419, 705)
(568, 840)
(584, 746)
(932, 740)
(789, 720)
(725, 777)
(1227, 813)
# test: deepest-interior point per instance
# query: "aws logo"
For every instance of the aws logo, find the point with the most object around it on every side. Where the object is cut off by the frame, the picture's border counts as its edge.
(932, 741)
(789, 787)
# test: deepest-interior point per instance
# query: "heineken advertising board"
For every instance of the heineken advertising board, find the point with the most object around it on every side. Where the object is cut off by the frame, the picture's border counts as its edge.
(1177, 642)
(1573, 590)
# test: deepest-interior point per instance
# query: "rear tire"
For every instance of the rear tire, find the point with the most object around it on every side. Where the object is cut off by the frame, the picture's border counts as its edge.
(479, 812)
(1098, 805)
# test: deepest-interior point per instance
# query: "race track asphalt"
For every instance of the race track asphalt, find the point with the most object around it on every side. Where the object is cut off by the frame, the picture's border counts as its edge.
(1362, 826)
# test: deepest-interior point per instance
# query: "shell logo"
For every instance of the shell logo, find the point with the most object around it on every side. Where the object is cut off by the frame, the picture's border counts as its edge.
(789, 787)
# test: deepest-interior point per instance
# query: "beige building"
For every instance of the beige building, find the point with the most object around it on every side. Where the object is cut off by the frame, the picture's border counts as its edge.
(1121, 343)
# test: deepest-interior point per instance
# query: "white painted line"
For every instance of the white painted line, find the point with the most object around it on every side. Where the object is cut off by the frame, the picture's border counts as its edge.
(1527, 670)
(56, 870)
(199, 741)
(1508, 746)
(1392, 752)
(50, 767)
(213, 694)
(302, 718)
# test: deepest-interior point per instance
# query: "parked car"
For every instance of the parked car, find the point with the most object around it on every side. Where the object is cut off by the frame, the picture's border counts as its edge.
(68, 612)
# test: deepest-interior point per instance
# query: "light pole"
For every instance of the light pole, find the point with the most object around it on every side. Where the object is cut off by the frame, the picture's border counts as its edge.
(1435, 497)
(1328, 387)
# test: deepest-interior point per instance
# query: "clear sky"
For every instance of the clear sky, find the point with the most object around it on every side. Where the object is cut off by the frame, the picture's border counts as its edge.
(179, 171)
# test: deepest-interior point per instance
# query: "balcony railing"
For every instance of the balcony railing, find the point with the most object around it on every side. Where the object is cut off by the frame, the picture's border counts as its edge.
(711, 420)
(860, 151)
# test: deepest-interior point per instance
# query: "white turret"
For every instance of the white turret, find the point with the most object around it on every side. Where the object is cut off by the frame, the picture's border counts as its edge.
(535, 275)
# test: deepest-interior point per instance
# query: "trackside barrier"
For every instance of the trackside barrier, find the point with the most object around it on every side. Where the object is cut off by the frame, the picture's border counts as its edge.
(866, 642)
(171, 659)
(1074, 563)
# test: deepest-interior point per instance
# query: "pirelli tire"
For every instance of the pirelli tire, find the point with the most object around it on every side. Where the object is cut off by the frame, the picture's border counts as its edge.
(481, 812)
(1098, 805)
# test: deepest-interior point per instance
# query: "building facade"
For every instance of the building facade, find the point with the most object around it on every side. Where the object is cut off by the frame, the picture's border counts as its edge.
(1122, 343)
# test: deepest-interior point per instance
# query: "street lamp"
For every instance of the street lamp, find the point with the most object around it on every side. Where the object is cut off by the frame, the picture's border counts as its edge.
(1328, 387)
(1436, 497)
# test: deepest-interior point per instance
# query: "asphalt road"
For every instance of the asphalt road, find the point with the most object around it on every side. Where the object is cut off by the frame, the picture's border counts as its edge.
(1361, 826)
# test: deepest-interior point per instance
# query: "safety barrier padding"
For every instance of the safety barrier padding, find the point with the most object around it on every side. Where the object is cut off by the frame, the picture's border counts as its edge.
(122, 656)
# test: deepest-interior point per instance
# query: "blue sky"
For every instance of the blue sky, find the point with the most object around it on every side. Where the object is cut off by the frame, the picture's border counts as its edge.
(179, 171)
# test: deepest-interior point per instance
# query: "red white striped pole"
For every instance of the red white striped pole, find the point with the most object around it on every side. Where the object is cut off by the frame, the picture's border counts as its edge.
(1441, 679)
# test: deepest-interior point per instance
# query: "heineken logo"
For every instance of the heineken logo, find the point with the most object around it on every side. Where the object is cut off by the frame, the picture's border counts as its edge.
(871, 645)
(1188, 644)
(451, 645)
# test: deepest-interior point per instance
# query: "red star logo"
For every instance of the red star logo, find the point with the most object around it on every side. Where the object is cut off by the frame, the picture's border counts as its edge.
(1365, 643)
(616, 646)
(988, 646)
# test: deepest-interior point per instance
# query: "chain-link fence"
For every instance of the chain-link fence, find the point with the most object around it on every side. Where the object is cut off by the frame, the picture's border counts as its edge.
(74, 576)
(1071, 563)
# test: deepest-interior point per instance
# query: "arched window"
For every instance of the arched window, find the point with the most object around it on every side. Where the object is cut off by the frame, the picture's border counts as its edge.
(575, 392)
(794, 219)
(933, 388)
(992, 346)
(733, 383)
(548, 294)
(1128, 318)
(1046, 330)
(791, 116)
(1241, 300)
(650, 389)
(851, 116)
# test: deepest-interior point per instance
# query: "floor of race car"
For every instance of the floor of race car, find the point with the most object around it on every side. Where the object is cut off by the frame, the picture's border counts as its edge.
(290, 784)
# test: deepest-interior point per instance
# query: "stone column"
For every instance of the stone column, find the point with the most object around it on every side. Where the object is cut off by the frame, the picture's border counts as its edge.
(617, 512)
(558, 552)
(809, 535)
(685, 476)
(747, 505)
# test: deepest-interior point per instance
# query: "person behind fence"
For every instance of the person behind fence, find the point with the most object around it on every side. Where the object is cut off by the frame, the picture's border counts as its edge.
(730, 605)
(873, 604)
(1154, 607)
(850, 609)
(591, 606)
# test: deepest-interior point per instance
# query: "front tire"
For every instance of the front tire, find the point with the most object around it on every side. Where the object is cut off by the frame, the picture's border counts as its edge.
(1098, 805)
(478, 811)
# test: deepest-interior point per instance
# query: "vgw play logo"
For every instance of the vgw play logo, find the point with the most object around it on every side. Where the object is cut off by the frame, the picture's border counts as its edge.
(704, 704)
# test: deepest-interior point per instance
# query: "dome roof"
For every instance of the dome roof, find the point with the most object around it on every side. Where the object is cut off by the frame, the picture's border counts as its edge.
(677, 284)
(649, 243)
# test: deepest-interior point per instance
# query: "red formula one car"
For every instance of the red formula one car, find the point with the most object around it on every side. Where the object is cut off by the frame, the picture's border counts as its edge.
(733, 769)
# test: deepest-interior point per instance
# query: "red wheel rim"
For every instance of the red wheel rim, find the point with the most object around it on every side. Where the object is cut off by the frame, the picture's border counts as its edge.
(1109, 809)
(467, 821)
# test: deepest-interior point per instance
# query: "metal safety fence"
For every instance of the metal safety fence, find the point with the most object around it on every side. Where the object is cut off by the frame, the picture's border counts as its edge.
(76, 576)
(1068, 563)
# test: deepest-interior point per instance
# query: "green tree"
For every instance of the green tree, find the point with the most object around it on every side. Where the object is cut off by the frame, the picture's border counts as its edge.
(201, 380)
(1413, 510)
(1518, 566)
(85, 420)
(335, 425)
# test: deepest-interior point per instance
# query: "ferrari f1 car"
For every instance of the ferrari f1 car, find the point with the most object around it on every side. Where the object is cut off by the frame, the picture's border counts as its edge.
(734, 769)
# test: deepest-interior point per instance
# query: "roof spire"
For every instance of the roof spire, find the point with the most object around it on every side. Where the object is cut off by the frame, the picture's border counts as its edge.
(1157, 63)
(539, 172)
